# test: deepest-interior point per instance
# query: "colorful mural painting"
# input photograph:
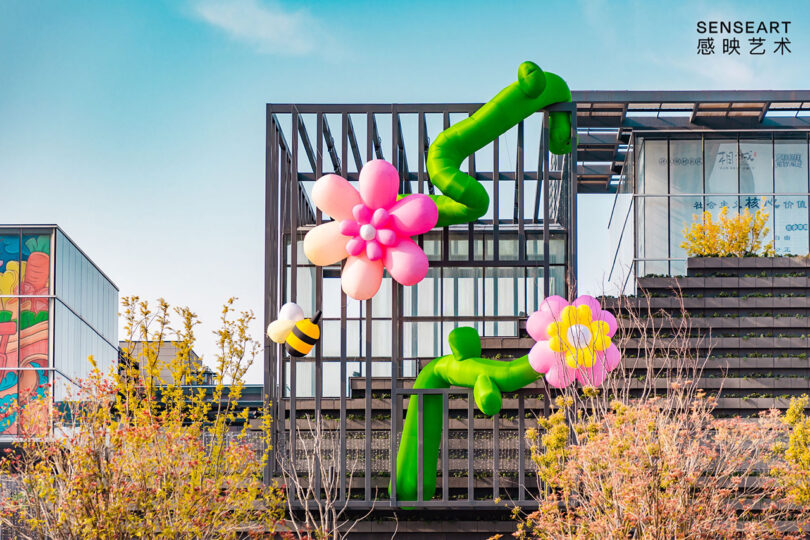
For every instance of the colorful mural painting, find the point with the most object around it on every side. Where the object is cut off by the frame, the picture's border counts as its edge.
(25, 277)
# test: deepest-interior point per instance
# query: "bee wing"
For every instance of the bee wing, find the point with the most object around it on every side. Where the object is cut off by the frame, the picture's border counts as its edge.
(279, 330)
(291, 312)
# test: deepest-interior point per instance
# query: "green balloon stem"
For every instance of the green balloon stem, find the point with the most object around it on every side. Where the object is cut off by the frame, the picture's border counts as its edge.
(487, 377)
(464, 199)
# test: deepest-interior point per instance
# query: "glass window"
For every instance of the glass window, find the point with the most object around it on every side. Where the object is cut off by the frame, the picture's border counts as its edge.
(463, 291)
(756, 166)
(790, 166)
(655, 167)
(655, 228)
(790, 225)
(683, 212)
(721, 166)
(686, 166)
(459, 247)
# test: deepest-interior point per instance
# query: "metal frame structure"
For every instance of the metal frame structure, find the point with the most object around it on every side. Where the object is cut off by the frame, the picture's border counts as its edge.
(292, 160)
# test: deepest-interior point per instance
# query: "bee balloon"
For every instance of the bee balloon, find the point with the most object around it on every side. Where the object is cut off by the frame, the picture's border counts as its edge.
(299, 334)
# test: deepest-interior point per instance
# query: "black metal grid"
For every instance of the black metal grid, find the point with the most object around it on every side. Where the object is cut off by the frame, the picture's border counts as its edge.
(289, 214)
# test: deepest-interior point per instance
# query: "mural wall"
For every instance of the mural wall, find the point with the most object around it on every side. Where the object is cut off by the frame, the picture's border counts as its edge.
(25, 287)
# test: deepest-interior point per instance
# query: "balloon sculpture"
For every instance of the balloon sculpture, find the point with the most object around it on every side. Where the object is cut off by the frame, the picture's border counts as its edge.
(592, 357)
(371, 228)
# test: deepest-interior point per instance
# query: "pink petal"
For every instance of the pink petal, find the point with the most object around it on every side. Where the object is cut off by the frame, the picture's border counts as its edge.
(379, 184)
(414, 214)
(374, 251)
(380, 218)
(349, 227)
(609, 358)
(335, 196)
(324, 245)
(387, 237)
(541, 357)
(355, 246)
(590, 301)
(549, 312)
(361, 213)
(608, 317)
(560, 375)
(592, 376)
(406, 262)
(361, 277)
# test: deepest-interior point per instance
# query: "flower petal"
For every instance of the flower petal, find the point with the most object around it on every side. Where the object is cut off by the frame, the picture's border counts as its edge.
(605, 315)
(355, 246)
(349, 227)
(374, 251)
(406, 262)
(335, 196)
(379, 184)
(414, 214)
(541, 357)
(592, 376)
(387, 237)
(324, 245)
(361, 277)
(559, 375)
(590, 301)
(610, 358)
(550, 309)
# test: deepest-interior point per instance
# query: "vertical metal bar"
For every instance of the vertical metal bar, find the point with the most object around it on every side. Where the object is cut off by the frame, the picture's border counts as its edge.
(294, 210)
(420, 459)
(420, 162)
(546, 267)
(395, 345)
(495, 197)
(318, 299)
(521, 449)
(344, 165)
(496, 456)
(573, 188)
(470, 449)
(278, 264)
(270, 198)
(519, 182)
(368, 381)
(445, 446)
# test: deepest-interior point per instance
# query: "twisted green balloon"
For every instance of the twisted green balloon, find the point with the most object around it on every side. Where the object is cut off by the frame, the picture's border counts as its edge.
(488, 378)
(464, 199)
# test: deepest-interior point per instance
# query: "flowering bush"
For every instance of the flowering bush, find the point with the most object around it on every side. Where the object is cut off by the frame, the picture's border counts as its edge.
(741, 235)
(134, 456)
(659, 468)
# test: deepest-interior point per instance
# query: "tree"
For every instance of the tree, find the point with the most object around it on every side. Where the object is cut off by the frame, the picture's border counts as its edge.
(641, 459)
(741, 235)
(317, 511)
(132, 455)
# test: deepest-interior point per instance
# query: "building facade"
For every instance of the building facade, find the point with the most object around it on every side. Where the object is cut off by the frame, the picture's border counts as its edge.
(56, 309)
(663, 156)
(695, 152)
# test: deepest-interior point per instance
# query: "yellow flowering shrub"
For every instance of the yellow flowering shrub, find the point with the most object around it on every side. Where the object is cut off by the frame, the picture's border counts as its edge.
(740, 235)
(135, 456)
(794, 470)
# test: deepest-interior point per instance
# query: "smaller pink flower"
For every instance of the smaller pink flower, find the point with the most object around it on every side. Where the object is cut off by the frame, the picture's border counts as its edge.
(371, 229)
(552, 353)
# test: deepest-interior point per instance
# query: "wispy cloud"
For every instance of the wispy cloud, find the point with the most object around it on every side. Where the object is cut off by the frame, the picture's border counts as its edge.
(266, 25)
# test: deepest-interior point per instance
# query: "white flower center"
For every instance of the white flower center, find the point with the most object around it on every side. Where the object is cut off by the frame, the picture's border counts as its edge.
(368, 232)
(579, 336)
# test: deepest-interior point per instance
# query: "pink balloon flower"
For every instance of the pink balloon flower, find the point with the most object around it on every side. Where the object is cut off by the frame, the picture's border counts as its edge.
(573, 341)
(370, 228)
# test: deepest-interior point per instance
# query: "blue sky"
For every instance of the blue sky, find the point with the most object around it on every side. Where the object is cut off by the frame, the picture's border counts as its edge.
(139, 126)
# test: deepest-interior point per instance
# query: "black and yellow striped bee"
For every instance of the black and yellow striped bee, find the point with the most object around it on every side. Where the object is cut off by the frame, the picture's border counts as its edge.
(297, 333)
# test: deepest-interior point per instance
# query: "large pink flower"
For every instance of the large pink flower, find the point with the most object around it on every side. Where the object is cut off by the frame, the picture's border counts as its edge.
(371, 228)
(573, 341)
